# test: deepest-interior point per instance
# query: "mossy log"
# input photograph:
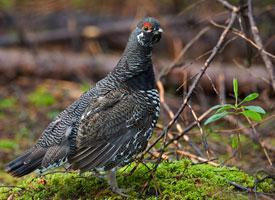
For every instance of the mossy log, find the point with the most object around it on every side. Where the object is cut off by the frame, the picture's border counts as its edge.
(172, 180)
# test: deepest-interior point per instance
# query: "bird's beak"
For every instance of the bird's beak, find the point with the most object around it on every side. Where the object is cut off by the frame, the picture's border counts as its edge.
(157, 35)
(159, 31)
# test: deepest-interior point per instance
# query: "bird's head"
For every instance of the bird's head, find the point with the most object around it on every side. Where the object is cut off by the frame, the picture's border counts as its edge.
(148, 32)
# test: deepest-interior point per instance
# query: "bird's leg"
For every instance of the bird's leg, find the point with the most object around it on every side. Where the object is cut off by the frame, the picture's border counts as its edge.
(97, 174)
(111, 178)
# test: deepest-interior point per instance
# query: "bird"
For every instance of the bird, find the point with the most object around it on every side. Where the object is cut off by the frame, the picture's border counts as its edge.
(110, 124)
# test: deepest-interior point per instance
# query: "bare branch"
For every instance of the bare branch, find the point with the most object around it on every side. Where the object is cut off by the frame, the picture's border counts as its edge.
(194, 157)
(258, 41)
(229, 6)
(166, 70)
(242, 35)
(197, 78)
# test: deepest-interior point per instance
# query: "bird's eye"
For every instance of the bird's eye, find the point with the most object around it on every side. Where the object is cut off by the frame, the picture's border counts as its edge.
(145, 28)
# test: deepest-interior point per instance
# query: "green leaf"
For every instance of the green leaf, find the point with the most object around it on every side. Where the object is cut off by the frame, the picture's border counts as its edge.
(252, 115)
(257, 109)
(235, 88)
(225, 107)
(215, 117)
(250, 97)
(216, 107)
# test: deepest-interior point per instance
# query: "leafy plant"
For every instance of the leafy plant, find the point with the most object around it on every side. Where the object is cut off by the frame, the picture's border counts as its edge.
(251, 112)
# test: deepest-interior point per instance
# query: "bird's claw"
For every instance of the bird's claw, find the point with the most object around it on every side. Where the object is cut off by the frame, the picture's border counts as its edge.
(120, 191)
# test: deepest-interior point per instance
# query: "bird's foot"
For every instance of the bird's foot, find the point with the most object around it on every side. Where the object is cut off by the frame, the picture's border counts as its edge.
(97, 174)
(120, 191)
(111, 178)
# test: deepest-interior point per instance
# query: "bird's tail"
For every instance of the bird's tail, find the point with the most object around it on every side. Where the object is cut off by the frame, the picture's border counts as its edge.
(26, 163)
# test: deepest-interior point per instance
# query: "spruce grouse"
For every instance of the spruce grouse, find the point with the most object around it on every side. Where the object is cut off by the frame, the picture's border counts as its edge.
(108, 125)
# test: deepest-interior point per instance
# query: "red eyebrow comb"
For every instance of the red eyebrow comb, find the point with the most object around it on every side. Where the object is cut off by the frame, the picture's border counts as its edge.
(147, 24)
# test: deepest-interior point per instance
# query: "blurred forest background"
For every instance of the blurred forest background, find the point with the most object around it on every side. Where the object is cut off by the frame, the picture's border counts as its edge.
(53, 51)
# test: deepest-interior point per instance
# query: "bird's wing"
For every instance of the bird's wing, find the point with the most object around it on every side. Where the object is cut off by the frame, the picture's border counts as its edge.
(112, 130)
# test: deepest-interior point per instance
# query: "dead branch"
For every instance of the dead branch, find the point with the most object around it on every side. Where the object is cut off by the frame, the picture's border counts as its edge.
(243, 36)
(197, 158)
(88, 27)
(54, 65)
(179, 128)
(259, 140)
(258, 41)
(73, 66)
(166, 70)
(167, 110)
(198, 77)
(188, 128)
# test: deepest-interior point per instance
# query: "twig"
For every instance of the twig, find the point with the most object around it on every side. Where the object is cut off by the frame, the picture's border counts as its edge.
(239, 187)
(221, 85)
(214, 52)
(259, 140)
(168, 110)
(247, 130)
(192, 156)
(245, 28)
(178, 126)
(249, 190)
(229, 6)
(198, 77)
(204, 141)
(250, 72)
(188, 8)
(242, 35)
(174, 64)
(188, 128)
(258, 41)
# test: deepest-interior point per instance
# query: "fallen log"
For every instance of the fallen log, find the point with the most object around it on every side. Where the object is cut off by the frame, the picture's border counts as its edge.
(112, 32)
(73, 66)
(73, 26)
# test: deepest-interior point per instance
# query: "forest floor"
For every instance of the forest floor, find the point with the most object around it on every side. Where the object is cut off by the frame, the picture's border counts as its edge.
(26, 107)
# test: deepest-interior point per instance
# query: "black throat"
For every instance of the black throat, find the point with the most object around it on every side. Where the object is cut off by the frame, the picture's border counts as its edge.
(143, 81)
(138, 64)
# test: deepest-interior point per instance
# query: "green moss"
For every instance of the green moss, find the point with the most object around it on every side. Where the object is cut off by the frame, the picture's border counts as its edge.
(173, 180)
(7, 144)
(7, 4)
(53, 114)
(41, 97)
(84, 87)
(272, 141)
(7, 103)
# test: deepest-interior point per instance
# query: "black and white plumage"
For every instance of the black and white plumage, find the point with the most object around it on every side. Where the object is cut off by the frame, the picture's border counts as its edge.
(108, 125)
